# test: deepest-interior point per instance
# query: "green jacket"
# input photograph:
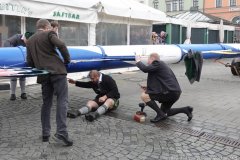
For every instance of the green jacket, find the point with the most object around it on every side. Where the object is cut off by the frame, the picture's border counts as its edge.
(193, 63)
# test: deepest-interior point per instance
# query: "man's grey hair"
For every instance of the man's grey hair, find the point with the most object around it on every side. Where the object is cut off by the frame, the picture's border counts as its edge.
(43, 24)
(94, 73)
(154, 56)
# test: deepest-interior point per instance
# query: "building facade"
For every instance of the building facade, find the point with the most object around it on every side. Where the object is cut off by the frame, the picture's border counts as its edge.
(225, 9)
(173, 7)
(143, 1)
(196, 11)
(228, 10)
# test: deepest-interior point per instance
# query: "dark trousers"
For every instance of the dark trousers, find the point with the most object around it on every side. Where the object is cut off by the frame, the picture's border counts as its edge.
(54, 85)
(166, 100)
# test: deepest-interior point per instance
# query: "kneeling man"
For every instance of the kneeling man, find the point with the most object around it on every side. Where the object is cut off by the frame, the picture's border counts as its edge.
(107, 96)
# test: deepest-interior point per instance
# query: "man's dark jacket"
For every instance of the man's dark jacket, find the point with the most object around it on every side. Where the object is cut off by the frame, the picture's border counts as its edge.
(106, 87)
(161, 79)
(42, 54)
(14, 41)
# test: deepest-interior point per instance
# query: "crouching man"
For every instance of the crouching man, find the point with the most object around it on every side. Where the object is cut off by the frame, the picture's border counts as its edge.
(107, 96)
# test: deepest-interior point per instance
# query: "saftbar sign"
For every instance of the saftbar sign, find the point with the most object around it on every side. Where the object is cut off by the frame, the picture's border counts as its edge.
(43, 9)
(66, 15)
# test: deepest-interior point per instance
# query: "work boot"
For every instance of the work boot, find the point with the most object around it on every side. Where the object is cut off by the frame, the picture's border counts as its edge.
(189, 113)
(160, 114)
(73, 113)
(63, 139)
(45, 138)
(13, 97)
(91, 116)
(24, 96)
(187, 110)
(157, 119)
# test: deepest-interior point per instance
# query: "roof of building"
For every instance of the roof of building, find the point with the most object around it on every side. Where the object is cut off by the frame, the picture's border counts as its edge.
(198, 16)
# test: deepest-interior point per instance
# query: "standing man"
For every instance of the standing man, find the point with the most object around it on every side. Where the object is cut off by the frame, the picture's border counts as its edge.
(107, 96)
(14, 41)
(41, 54)
(162, 86)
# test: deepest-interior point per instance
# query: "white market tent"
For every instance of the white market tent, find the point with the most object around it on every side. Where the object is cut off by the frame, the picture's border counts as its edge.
(87, 11)
(91, 12)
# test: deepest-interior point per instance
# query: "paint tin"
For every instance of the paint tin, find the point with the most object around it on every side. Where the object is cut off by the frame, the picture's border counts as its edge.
(139, 117)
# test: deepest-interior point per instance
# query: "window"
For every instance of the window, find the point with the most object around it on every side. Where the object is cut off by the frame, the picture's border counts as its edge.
(195, 3)
(168, 6)
(73, 34)
(180, 5)
(140, 34)
(175, 5)
(155, 4)
(111, 34)
(10, 25)
(232, 2)
(218, 3)
(31, 24)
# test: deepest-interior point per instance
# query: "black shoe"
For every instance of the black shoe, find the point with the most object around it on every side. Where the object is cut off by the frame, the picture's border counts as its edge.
(73, 113)
(91, 116)
(189, 113)
(13, 97)
(24, 96)
(158, 118)
(45, 138)
(63, 139)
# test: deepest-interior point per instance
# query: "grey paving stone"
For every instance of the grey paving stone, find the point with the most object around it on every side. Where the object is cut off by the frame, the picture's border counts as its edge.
(121, 137)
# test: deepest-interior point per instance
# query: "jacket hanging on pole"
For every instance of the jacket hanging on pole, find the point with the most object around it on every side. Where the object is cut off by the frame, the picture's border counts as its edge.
(193, 63)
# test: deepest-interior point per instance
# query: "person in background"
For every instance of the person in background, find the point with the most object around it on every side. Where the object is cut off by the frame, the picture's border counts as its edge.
(41, 54)
(107, 96)
(162, 86)
(55, 27)
(155, 38)
(162, 37)
(14, 41)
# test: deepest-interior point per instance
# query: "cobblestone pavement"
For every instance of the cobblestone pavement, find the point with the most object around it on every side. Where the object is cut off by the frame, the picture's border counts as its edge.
(213, 132)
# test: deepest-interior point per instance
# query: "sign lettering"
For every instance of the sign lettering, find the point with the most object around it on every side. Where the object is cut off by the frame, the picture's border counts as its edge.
(66, 15)
(10, 7)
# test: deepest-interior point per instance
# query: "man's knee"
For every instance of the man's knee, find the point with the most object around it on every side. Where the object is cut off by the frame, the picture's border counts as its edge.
(145, 97)
(92, 104)
(109, 102)
(113, 105)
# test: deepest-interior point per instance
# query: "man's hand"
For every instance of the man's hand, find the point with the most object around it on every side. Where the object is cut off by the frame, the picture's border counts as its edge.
(137, 58)
(71, 81)
(103, 98)
(144, 88)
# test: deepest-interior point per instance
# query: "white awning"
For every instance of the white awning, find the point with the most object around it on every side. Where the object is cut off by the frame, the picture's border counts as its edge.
(56, 9)
(80, 10)
(132, 9)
